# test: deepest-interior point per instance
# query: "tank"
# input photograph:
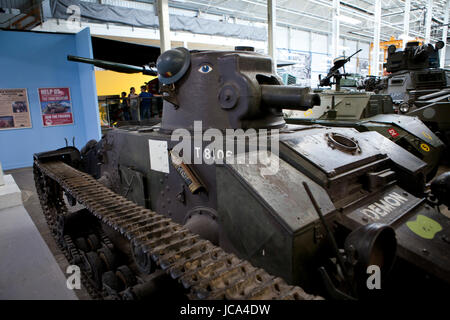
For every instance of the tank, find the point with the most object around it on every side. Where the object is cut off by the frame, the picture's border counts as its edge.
(368, 111)
(417, 85)
(316, 208)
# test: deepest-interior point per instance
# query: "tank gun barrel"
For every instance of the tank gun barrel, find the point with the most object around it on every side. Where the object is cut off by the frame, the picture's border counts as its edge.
(288, 97)
(114, 66)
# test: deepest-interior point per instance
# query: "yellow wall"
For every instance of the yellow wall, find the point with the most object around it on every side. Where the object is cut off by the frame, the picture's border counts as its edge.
(113, 83)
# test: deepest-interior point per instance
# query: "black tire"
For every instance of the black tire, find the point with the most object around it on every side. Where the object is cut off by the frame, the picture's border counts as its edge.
(111, 283)
(108, 258)
(93, 242)
(96, 268)
(126, 276)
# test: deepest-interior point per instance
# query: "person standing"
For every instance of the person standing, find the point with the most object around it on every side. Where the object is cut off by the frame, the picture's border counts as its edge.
(124, 106)
(133, 100)
(156, 106)
(145, 103)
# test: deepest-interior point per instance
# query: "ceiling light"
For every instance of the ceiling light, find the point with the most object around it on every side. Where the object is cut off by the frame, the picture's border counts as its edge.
(348, 20)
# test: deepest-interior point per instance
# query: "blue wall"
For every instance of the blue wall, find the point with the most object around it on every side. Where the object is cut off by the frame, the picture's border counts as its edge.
(35, 60)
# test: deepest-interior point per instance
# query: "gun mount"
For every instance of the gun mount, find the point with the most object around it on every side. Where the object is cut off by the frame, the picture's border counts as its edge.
(334, 72)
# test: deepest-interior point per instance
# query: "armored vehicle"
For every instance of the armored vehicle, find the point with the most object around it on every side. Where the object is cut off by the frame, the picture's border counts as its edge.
(418, 86)
(366, 111)
(223, 180)
(414, 72)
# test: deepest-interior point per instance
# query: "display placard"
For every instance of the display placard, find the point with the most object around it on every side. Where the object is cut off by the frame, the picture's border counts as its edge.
(14, 109)
(56, 106)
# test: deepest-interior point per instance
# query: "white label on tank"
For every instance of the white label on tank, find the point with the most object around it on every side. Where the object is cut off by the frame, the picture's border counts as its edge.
(159, 157)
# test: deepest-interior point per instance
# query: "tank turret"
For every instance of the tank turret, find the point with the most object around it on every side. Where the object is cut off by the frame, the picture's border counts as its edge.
(223, 89)
(226, 89)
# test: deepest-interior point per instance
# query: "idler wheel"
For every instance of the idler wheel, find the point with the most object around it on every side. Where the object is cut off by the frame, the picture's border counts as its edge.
(82, 244)
(94, 242)
(143, 260)
(107, 257)
(111, 283)
(126, 276)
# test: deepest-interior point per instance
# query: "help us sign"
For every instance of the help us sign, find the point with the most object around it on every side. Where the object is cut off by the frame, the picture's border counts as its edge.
(56, 106)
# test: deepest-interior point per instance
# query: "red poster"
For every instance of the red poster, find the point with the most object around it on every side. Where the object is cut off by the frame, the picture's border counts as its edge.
(56, 106)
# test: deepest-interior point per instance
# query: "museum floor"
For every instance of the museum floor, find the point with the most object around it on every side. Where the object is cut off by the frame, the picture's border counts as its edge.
(24, 179)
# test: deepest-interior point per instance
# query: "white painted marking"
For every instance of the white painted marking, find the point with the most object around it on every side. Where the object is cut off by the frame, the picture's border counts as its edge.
(159, 156)
(385, 206)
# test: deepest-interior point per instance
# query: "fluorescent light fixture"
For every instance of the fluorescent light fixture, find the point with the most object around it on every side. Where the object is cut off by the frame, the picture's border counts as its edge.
(348, 20)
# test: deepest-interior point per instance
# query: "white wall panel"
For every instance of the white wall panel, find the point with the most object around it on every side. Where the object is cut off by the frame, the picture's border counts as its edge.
(281, 37)
(320, 62)
(365, 46)
(319, 43)
(300, 40)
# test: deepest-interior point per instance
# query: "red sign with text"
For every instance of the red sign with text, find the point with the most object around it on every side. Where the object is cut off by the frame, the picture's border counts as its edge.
(56, 106)
(393, 133)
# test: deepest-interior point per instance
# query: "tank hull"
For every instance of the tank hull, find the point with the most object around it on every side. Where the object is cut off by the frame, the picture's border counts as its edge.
(268, 219)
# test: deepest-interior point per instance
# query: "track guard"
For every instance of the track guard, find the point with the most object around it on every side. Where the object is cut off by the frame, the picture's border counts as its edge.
(69, 155)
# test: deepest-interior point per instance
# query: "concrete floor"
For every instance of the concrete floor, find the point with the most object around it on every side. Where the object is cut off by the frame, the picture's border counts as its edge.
(25, 181)
(28, 268)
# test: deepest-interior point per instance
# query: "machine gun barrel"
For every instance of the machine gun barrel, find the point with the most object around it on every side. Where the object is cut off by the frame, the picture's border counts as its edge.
(334, 71)
(288, 97)
(348, 59)
(114, 66)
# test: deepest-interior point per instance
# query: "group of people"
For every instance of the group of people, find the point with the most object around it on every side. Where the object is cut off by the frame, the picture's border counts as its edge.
(139, 106)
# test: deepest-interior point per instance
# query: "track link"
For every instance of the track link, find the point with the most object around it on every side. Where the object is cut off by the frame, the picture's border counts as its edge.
(203, 269)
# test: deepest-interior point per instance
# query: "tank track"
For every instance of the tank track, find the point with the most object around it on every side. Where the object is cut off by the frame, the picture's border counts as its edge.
(203, 269)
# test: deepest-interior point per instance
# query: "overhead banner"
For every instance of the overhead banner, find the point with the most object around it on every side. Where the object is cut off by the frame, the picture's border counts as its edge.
(14, 109)
(56, 106)
(76, 10)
